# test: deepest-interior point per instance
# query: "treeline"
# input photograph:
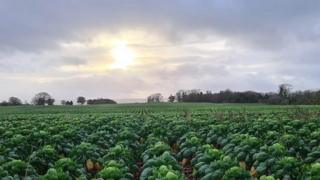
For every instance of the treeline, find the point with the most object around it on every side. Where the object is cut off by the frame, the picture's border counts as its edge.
(283, 96)
(43, 99)
(12, 101)
(100, 101)
(304, 97)
(82, 100)
(226, 96)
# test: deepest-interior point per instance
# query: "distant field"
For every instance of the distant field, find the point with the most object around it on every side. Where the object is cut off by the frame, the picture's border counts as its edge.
(160, 107)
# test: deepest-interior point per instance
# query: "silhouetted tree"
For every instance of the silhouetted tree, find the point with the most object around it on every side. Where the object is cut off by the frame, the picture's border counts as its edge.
(4, 103)
(41, 98)
(284, 93)
(284, 90)
(155, 98)
(81, 100)
(179, 95)
(40, 101)
(14, 101)
(69, 103)
(171, 98)
(50, 101)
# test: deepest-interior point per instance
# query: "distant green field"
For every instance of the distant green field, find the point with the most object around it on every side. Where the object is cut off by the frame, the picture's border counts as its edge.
(157, 107)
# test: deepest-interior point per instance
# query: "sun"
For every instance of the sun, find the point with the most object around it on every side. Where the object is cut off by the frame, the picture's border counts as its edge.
(122, 55)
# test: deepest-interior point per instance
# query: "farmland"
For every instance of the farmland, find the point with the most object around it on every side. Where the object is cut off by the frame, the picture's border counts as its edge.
(160, 141)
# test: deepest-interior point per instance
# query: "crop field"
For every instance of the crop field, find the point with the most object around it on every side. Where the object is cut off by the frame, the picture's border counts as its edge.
(160, 142)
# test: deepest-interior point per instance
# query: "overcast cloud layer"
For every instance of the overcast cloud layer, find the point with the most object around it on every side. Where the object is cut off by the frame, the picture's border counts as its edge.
(64, 47)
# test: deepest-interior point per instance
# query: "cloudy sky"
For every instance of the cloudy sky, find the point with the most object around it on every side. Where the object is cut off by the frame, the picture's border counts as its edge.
(132, 48)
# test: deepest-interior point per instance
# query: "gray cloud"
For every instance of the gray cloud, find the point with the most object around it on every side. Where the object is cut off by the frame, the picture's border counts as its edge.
(36, 63)
(269, 24)
(266, 43)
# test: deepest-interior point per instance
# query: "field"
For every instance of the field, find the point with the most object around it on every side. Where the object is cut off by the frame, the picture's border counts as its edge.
(160, 141)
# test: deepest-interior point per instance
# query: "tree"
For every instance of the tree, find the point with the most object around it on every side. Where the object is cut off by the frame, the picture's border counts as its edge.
(81, 100)
(284, 90)
(50, 101)
(66, 103)
(14, 101)
(171, 98)
(40, 102)
(70, 103)
(284, 93)
(155, 98)
(179, 95)
(41, 99)
(4, 103)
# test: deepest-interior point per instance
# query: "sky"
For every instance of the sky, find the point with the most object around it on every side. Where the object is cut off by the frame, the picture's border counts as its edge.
(124, 49)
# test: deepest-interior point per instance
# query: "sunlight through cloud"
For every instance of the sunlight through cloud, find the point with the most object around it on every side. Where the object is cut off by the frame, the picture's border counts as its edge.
(122, 55)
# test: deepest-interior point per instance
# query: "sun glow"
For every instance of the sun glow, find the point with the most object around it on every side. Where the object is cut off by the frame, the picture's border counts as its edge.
(122, 55)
